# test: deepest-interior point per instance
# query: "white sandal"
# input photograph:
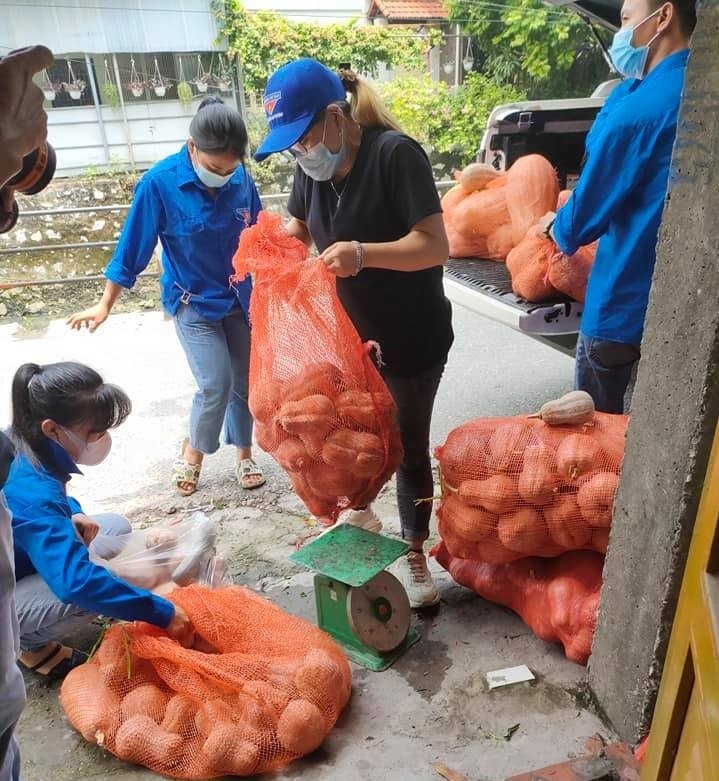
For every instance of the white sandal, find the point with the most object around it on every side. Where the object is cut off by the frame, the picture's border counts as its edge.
(247, 473)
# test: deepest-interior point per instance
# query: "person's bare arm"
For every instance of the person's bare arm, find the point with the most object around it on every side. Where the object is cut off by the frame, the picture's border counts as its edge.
(425, 246)
(299, 230)
(95, 316)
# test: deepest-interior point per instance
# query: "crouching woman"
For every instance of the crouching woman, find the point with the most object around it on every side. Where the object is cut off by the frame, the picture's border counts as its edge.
(62, 413)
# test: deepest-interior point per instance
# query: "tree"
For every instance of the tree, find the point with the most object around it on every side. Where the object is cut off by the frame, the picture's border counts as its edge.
(447, 121)
(547, 51)
(265, 41)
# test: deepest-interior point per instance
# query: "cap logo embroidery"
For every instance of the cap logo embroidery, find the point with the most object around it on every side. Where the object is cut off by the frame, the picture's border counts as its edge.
(271, 101)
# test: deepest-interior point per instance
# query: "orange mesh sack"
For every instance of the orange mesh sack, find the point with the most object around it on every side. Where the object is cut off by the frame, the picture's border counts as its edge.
(320, 406)
(557, 598)
(260, 688)
(515, 487)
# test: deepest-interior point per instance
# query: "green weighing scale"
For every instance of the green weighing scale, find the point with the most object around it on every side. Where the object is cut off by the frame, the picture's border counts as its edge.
(363, 607)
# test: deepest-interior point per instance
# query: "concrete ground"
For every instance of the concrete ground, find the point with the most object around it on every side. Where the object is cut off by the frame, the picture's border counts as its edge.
(433, 705)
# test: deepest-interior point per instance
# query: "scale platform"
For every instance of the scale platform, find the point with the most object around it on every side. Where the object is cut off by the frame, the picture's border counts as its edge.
(363, 607)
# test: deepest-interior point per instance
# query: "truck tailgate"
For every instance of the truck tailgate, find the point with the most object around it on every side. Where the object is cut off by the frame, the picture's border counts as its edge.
(484, 287)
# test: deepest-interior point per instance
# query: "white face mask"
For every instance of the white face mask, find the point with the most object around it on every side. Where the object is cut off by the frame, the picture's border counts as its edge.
(210, 178)
(90, 453)
(318, 162)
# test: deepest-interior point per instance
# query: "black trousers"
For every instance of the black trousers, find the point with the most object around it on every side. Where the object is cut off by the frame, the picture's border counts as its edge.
(414, 397)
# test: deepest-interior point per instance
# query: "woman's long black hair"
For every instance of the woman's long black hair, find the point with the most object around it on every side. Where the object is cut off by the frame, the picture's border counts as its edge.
(69, 393)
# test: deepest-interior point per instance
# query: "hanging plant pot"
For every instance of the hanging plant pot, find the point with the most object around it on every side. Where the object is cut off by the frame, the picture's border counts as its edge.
(224, 85)
(202, 79)
(75, 89)
(49, 90)
(158, 83)
(136, 85)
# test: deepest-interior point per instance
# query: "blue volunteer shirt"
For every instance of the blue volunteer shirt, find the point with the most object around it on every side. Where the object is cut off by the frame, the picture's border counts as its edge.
(620, 197)
(199, 231)
(46, 543)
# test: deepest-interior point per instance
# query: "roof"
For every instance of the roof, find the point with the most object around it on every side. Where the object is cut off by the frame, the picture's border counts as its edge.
(404, 11)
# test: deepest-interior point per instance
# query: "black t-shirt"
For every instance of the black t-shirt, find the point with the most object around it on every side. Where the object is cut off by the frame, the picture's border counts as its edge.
(389, 190)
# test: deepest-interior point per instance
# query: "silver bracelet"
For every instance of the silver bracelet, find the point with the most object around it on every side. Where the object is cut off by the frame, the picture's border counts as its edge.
(359, 257)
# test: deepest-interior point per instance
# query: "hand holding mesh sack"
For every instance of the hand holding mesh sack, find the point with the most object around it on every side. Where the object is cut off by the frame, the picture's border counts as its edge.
(260, 689)
(520, 486)
(320, 406)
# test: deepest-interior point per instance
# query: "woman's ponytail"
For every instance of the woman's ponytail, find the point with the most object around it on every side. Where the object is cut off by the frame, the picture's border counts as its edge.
(366, 106)
(24, 430)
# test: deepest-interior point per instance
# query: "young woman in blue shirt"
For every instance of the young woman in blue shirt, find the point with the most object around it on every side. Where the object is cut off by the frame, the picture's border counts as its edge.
(62, 413)
(196, 203)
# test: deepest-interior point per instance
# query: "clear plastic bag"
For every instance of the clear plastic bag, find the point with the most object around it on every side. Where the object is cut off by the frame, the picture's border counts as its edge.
(172, 553)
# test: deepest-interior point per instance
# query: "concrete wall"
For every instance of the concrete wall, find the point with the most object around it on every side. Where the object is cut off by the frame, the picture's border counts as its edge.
(674, 413)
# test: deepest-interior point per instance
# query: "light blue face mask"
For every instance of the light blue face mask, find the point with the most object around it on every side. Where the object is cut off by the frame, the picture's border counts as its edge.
(210, 178)
(630, 61)
(319, 163)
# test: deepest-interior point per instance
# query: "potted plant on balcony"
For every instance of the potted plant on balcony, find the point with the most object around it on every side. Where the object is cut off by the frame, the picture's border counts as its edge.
(223, 80)
(202, 79)
(49, 90)
(184, 90)
(136, 85)
(109, 91)
(73, 86)
(158, 84)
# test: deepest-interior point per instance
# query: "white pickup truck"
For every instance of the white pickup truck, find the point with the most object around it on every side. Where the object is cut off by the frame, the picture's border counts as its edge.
(556, 129)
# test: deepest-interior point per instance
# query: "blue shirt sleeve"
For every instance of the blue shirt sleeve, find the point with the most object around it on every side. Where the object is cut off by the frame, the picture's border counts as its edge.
(75, 507)
(139, 236)
(614, 168)
(49, 540)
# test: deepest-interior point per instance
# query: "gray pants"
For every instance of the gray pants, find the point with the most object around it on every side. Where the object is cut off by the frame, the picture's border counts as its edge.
(12, 688)
(42, 616)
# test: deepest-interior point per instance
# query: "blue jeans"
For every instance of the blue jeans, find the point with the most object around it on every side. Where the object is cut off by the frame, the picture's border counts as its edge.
(218, 354)
(12, 687)
(42, 616)
(605, 370)
(414, 397)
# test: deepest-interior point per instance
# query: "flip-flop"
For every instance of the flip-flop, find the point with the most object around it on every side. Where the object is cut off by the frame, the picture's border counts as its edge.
(62, 668)
(245, 471)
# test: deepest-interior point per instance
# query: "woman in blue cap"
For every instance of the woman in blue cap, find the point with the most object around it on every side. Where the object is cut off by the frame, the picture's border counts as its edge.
(364, 194)
(197, 202)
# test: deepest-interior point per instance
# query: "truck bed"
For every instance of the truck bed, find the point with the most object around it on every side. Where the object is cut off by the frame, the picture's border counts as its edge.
(484, 287)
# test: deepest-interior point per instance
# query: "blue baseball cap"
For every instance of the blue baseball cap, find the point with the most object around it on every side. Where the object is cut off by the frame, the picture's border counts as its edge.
(295, 95)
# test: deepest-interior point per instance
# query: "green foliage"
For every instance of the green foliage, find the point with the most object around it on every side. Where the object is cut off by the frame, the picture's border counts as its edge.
(446, 120)
(265, 41)
(547, 51)
(110, 94)
(184, 94)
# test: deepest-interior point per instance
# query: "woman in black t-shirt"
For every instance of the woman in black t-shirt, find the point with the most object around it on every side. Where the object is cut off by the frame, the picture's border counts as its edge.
(364, 194)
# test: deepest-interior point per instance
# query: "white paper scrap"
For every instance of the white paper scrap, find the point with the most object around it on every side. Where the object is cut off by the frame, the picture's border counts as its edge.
(508, 675)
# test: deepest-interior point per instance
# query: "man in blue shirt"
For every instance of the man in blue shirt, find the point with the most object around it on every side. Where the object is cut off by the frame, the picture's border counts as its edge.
(197, 202)
(620, 195)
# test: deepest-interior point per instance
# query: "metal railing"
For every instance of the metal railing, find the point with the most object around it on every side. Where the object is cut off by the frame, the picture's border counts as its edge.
(107, 244)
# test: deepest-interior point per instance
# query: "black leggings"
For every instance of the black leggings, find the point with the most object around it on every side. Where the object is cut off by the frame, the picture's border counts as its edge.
(414, 397)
